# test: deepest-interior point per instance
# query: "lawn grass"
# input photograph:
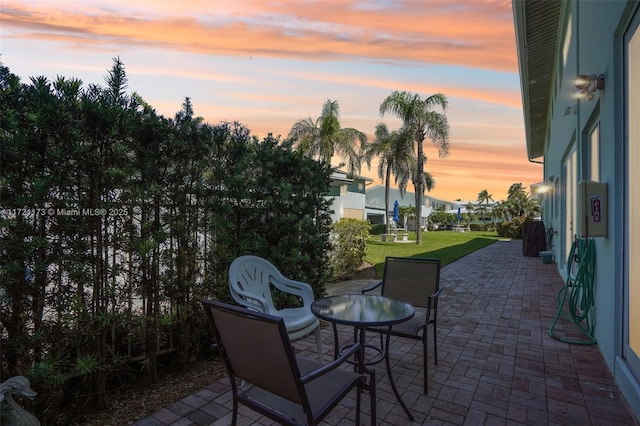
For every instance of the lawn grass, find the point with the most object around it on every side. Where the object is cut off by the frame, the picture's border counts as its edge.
(444, 245)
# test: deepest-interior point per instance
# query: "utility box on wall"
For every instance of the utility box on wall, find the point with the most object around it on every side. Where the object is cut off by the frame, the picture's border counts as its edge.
(593, 214)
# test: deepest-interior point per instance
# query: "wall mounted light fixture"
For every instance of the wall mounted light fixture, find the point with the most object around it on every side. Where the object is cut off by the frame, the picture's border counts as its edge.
(547, 186)
(587, 85)
(544, 189)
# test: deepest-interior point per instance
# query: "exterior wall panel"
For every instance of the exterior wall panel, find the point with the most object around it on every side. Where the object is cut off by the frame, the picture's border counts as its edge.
(593, 41)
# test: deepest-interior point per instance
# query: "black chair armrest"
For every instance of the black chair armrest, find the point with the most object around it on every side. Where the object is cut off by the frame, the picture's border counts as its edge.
(355, 349)
(368, 289)
(436, 294)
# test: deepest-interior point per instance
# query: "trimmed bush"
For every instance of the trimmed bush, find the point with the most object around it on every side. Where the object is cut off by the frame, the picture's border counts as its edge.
(349, 245)
(481, 227)
(378, 229)
(513, 228)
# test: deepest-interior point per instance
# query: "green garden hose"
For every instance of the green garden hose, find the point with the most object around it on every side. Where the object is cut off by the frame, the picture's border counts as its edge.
(578, 291)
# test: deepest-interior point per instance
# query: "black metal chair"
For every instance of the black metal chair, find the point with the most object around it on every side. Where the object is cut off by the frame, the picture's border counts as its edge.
(256, 349)
(416, 281)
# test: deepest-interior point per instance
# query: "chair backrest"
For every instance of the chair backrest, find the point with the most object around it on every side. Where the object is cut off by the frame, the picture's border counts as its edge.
(411, 279)
(256, 348)
(252, 274)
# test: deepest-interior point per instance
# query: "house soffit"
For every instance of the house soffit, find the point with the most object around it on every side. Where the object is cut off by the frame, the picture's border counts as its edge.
(537, 23)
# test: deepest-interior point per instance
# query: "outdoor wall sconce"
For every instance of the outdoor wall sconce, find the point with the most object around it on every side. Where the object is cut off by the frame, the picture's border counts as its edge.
(547, 186)
(544, 189)
(586, 86)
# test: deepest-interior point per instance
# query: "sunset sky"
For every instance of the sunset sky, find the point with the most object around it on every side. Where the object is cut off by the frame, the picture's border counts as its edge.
(269, 63)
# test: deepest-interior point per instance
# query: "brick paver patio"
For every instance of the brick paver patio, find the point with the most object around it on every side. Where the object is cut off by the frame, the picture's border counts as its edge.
(497, 364)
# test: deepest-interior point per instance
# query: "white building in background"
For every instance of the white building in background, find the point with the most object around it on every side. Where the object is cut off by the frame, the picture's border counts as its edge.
(348, 195)
(374, 206)
(590, 49)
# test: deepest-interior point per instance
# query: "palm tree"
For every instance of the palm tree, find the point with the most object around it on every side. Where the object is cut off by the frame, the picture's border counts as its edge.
(484, 197)
(427, 182)
(499, 211)
(520, 203)
(395, 156)
(533, 207)
(469, 208)
(421, 122)
(324, 137)
(516, 190)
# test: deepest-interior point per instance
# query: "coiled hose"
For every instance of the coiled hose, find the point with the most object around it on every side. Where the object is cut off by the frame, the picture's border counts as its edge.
(578, 291)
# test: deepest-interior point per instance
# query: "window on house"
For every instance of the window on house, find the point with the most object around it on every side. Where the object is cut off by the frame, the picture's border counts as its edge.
(570, 176)
(353, 213)
(594, 153)
(631, 350)
(556, 198)
(591, 151)
(567, 42)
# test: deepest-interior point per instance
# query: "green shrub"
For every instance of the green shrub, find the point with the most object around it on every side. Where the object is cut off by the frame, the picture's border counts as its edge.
(378, 229)
(349, 246)
(481, 227)
(439, 220)
(512, 228)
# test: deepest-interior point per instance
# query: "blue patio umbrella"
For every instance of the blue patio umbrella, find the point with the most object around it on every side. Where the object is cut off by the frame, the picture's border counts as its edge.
(396, 211)
(459, 215)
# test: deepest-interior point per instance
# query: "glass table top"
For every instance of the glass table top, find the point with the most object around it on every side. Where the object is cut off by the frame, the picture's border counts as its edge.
(362, 309)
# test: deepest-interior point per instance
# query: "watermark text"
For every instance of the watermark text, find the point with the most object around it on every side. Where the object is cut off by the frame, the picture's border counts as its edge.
(33, 212)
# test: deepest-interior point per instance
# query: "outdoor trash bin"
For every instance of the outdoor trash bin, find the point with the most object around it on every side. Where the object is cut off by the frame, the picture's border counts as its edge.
(533, 239)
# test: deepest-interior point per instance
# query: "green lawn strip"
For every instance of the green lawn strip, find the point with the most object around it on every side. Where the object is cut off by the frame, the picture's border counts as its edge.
(447, 246)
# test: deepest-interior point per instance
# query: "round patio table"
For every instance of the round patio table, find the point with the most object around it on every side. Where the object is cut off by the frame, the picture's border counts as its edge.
(362, 311)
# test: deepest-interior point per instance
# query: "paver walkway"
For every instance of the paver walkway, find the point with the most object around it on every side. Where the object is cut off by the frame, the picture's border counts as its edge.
(497, 364)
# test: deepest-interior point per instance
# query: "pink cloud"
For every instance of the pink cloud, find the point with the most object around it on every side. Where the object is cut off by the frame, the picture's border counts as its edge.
(463, 33)
(460, 33)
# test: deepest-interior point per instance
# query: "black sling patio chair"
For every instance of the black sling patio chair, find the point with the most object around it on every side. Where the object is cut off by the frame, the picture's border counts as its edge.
(416, 281)
(256, 349)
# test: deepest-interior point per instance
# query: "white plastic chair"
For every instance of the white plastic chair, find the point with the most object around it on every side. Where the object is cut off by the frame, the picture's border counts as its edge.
(250, 278)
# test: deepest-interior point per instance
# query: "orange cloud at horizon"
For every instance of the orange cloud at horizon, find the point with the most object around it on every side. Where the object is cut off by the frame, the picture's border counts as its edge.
(269, 64)
(432, 34)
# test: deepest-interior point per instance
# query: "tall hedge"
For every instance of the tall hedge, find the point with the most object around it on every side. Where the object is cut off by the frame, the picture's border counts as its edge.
(116, 221)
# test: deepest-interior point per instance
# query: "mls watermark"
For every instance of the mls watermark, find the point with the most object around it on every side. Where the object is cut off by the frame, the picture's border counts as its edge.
(31, 212)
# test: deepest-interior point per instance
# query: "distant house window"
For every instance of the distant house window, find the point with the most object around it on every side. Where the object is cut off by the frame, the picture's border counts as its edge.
(353, 213)
(356, 186)
(375, 219)
(334, 191)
